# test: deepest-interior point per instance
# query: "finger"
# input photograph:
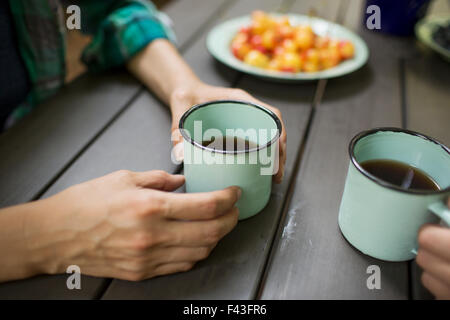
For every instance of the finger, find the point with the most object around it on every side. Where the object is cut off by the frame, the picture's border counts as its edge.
(158, 179)
(112, 270)
(283, 136)
(180, 254)
(201, 233)
(435, 239)
(280, 175)
(176, 136)
(132, 275)
(439, 289)
(172, 268)
(434, 265)
(201, 206)
(281, 164)
(178, 153)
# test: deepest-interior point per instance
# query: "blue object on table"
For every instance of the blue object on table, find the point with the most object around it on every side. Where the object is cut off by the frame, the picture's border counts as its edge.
(399, 16)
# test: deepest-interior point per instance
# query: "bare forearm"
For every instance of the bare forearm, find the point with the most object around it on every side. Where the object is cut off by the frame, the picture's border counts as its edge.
(161, 68)
(19, 233)
(35, 237)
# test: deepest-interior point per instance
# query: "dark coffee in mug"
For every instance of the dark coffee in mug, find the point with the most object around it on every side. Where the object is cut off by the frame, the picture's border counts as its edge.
(400, 174)
(229, 144)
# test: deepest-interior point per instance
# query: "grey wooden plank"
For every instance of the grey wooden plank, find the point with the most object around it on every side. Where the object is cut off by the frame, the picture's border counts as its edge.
(418, 291)
(188, 16)
(427, 79)
(324, 9)
(139, 140)
(35, 150)
(51, 288)
(312, 260)
(128, 143)
(234, 269)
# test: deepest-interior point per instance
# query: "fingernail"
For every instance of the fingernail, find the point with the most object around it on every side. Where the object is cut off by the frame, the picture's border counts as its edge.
(178, 152)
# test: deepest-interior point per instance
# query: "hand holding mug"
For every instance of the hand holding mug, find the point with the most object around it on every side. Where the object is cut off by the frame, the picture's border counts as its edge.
(125, 225)
(183, 99)
(380, 217)
(434, 258)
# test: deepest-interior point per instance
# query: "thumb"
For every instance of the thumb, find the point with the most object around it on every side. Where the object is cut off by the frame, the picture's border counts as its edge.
(158, 179)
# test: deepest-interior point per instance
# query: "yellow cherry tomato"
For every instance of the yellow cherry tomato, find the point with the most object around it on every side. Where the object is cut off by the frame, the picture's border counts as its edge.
(333, 44)
(268, 39)
(321, 42)
(240, 37)
(289, 45)
(303, 39)
(346, 49)
(305, 28)
(258, 15)
(274, 64)
(240, 50)
(291, 62)
(312, 55)
(310, 67)
(257, 59)
(260, 22)
(329, 58)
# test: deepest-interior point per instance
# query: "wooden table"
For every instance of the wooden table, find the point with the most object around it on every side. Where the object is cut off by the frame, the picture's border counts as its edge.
(293, 249)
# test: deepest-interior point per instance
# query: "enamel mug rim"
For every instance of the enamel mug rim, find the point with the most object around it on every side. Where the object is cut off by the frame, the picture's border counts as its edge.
(386, 184)
(251, 104)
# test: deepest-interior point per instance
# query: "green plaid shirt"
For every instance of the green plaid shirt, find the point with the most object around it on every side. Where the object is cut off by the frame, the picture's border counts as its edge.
(120, 29)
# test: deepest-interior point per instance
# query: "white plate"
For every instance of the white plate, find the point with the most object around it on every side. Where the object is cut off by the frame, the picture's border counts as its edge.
(219, 40)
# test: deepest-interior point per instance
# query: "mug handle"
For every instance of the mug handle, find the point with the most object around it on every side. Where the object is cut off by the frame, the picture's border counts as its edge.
(442, 211)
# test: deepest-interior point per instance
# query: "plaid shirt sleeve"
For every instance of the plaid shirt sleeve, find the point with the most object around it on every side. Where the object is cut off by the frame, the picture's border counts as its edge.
(120, 29)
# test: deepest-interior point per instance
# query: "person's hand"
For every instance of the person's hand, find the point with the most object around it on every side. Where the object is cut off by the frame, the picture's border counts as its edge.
(162, 69)
(434, 258)
(184, 98)
(128, 225)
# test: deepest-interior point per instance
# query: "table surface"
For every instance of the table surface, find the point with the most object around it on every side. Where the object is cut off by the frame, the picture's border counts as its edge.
(291, 250)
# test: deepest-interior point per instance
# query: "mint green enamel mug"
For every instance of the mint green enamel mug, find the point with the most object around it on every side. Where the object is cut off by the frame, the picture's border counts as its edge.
(209, 169)
(381, 219)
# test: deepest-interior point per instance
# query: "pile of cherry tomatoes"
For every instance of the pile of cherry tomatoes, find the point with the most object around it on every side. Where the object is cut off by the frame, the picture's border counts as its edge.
(273, 43)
